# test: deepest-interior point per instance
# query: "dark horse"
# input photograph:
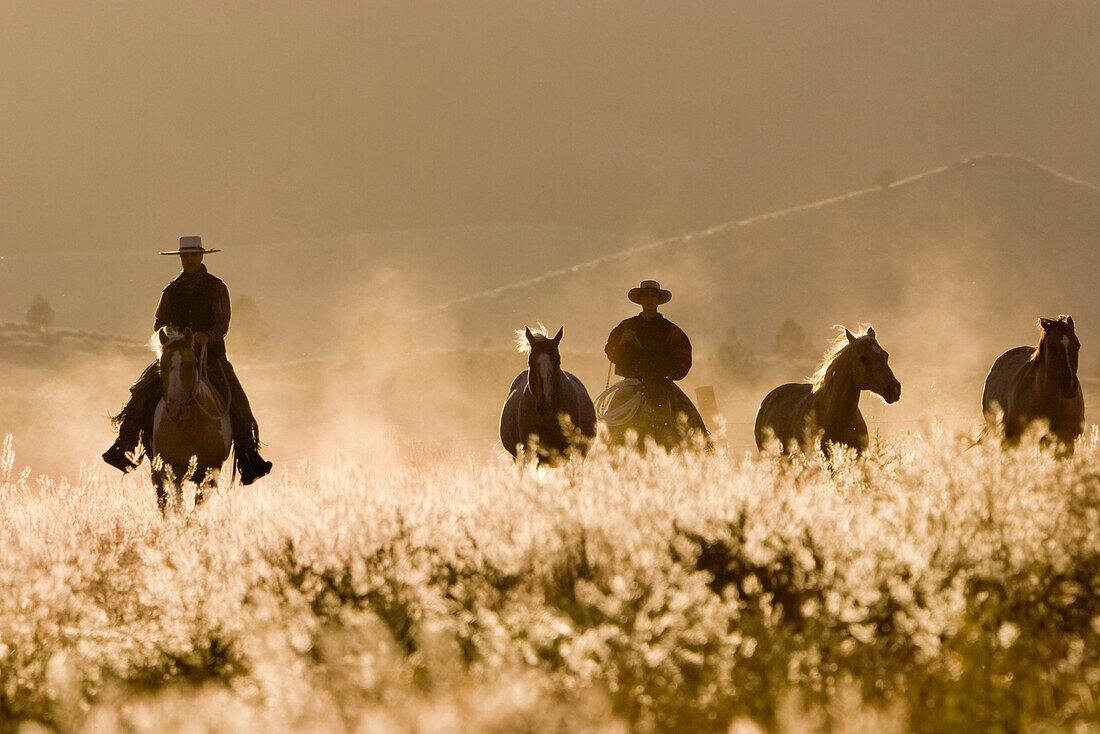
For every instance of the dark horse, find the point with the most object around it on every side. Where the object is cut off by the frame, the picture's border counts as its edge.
(826, 410)
(191, 428)
(547, 408)
(1029, 384)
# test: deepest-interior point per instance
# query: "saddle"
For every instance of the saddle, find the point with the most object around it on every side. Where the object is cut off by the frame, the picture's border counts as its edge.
(212, 394)
(215, 381)
(210, 400)
(622, 403)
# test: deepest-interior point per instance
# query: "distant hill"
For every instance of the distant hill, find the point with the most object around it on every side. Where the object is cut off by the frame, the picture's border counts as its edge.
(33, 345)
(311, 291)
(952, 263)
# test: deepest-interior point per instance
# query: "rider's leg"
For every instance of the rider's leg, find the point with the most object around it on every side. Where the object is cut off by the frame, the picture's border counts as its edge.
(135, 421)
(246, 432)
(681, 403)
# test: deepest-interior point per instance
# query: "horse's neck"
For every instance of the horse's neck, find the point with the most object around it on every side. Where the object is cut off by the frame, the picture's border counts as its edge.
(557, 390)
(1044, 381)
(837, 399)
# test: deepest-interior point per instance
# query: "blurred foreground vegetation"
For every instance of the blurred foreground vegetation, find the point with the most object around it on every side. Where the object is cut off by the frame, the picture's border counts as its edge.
(925, 588)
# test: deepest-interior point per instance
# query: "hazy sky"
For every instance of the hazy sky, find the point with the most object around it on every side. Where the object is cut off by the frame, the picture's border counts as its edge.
(125, 124)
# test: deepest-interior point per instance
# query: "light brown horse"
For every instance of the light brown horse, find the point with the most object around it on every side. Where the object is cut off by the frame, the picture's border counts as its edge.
(1029, 384)
(825, 410)
(191, 426)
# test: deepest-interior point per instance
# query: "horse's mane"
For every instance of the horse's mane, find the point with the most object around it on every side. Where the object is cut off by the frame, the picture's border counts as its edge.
(174, 335)
(834, 357)
(1062, 319)
(520, 341)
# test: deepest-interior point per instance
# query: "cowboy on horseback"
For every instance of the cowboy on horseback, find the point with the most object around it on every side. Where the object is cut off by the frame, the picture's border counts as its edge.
(198, 301)
(650, 348)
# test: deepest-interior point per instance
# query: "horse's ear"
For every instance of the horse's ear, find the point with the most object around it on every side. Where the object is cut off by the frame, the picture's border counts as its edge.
(530, 336)
(848, 334)
(1045, 324)
(561, 331)
(871, 331)
(1069, 321)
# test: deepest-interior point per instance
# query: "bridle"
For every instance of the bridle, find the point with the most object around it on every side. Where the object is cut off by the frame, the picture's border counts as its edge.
(553, 377)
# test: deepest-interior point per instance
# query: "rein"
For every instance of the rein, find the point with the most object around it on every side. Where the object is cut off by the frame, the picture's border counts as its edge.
(220, 404)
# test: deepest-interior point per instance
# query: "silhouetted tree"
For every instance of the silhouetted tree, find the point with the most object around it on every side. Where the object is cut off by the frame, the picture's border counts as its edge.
(250, 333)
(737, 359)
(40, 314)
(790, 341)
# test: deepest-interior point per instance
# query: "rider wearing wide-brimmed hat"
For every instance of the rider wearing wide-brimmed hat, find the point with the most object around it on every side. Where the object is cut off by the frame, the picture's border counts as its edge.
(199, 301)
(652, 349)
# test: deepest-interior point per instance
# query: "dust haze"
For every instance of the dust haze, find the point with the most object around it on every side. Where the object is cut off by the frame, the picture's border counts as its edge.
(397, 186)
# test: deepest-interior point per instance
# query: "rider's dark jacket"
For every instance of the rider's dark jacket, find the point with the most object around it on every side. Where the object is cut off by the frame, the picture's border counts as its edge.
(199, 301)
(662, 350)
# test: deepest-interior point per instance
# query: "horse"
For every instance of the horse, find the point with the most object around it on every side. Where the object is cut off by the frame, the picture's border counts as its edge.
(547, 408)
(658, 410)
(1029, 384)
(825, 410)
(192, 433)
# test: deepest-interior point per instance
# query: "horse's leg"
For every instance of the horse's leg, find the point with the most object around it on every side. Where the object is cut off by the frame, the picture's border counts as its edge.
(206, 487)
(177, 487)
(162, 496)
(160, 484)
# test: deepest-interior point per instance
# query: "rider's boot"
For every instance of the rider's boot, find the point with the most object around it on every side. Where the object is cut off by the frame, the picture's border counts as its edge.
(126, 445)
(134, 418)
(246, 433)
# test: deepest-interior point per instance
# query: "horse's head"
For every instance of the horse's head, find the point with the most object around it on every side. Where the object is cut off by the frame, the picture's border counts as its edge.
(178, 369)
(1058, 351)
(544, 370)
(870, 368)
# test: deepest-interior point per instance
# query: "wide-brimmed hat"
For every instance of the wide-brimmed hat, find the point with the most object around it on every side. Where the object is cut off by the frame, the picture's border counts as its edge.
(189, 244)
(649, 285)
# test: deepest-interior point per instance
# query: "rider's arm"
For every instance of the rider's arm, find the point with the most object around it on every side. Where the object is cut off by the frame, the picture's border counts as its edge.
(614, 348)
(679, 353)
(161, 317)
(222, 312)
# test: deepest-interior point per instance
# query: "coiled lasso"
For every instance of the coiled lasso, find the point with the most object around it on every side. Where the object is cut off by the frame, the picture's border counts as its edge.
(624, 412)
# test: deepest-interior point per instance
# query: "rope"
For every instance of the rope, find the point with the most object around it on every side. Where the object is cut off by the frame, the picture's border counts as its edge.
(625, 411)
(219, 405)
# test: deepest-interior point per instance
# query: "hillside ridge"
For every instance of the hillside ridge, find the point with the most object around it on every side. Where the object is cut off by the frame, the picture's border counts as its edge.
(720, 228)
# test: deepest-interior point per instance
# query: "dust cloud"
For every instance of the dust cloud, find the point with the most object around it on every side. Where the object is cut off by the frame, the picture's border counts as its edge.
(398, 186)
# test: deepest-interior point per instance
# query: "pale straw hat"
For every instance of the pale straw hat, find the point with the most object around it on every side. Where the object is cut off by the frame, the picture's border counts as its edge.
(189, 244)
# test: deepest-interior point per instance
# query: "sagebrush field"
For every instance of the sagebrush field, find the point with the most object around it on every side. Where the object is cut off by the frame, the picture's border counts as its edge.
(924, 588)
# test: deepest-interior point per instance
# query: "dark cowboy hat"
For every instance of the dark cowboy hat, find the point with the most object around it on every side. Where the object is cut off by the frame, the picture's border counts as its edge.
(189, 244)
(650, 285)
